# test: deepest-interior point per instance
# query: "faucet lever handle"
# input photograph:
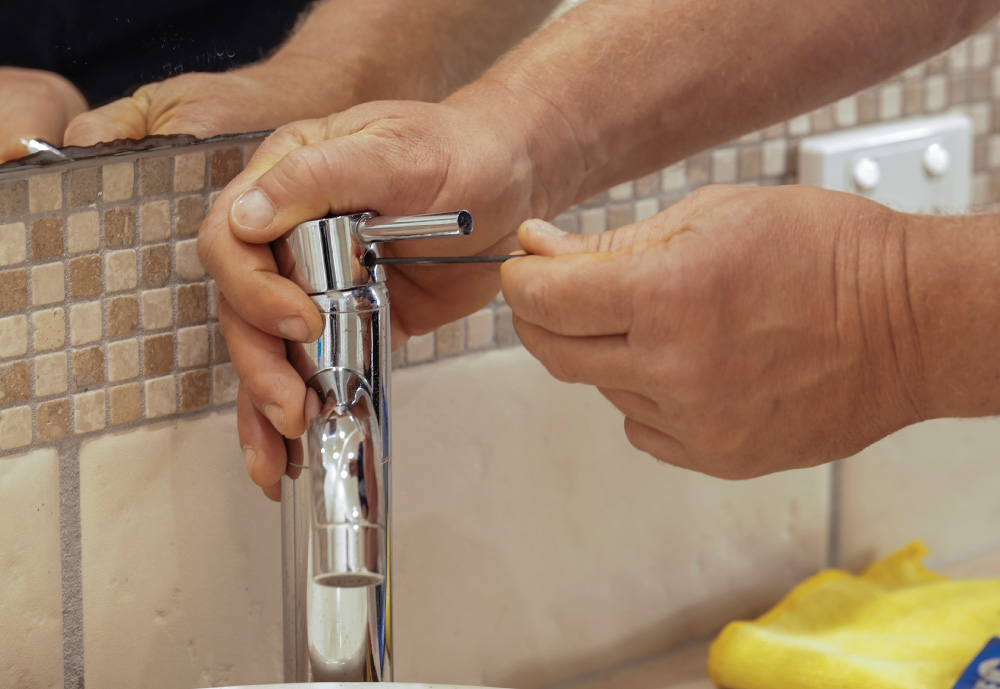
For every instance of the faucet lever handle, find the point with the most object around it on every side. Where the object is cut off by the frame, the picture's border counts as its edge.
(373, 228)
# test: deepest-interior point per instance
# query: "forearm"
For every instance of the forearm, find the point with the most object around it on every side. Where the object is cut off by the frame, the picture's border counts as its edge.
(616, 89)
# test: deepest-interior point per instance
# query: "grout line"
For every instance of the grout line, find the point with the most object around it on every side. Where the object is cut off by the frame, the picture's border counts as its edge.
(72, 567)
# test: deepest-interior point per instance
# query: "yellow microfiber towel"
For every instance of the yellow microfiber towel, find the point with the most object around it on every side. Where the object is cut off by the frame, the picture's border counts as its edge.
(896, 626)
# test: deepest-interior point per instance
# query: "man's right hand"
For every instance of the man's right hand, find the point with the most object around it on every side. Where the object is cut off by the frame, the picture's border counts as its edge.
(34, 104)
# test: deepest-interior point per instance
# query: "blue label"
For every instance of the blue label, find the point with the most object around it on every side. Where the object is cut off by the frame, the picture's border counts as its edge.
(984, 671)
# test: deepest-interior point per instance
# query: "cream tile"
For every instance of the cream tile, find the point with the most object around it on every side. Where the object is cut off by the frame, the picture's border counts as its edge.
(161, 397)
(30, 572)
(646, 208)
(123, 360)
(724, 166)
(935, 481)
(88, 412)
(48, 285)
(982, 51)
(621, 192)
(935, 93)
(13, 336)
(775, 158)
(189, 172)
(50, 329)
(479, 329)
(891, 101)
(50, 374)
(201, 603)
(188, 265)
(45, 192)
(420, 348)
(157, 309)
(120, 270)
(225, 384)
(845, 112)
(119, 179)
(555, 505)
(593, 220)
(83, 232)
(85, 323)
(674, 178)
(154, 221)
(13, 243)
(192, 346)
(799, 126)
(15, 429)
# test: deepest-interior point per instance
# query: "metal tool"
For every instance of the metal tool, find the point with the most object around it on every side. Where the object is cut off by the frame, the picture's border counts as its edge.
(371, 259)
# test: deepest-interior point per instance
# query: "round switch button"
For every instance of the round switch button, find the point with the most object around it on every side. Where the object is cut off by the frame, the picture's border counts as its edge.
(867, 174)
(937, 160)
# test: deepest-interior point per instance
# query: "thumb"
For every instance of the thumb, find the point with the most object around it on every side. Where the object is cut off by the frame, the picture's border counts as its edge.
(545, 239)
(121, 119)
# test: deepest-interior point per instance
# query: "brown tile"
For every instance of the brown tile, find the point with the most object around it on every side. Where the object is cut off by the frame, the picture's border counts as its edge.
(15, 382)
(749, 164)
(155, 265)
(44, 192)
(188, 265)
(46, 238)
(118, 181)
(980, 86)
(868, 107)
(13, 198)
(13, 289)
(189, 172)
(53, 420)
(158, 354)
(647, 186)
(81, 187)
(154, 221)
(220, 350)
(154, 176)
(225, 165)
(195, 389)
(958, 88)
(119, 227)
(937, 64)
(449, 339)
(698, 167)
(125, 404)
(88, 368)
(191, 304)
(190, 213)
(619, 215)
(123, 316)
(85, 275)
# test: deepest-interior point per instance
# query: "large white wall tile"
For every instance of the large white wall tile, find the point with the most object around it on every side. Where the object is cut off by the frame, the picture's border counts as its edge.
(935, 481)
(181, 560)
(533, 544)
(31, 642)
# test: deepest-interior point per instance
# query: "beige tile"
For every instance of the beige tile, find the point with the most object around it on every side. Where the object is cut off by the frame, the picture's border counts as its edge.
(503, 327)
(88, 368)
(203, 596)
(30, 572)
(88, 412)
(158, 354)
(119, 227)
(83, 232)
(53, 420)
(195, 390)
(189, 172)
(85, 276)
(674, 178)
(81, 187)
(845, 112)
(161, 397)
(125, 403)
(118, 181)
(562, 507)
(188, 265)
(479, 329)
(48, 285)
(13, 336)
(50, 329)
(890, 104)
(154, 176)
(420, 348)
(799, 126)
(936, 93)
(15, 429)
(45, 192)
(449, 339)
(775, 156)
(85, 323)
(123, 316)
(157, 309)
(593, 220)
(724, 166)
(13, 289)
(15, 382)
(123, 360)
(934, 481)
(646, 208)
(621, 192)
(154, 221)
(120, 269)
(13, 243)
(225, 384)
(46, 238)
(50, 374)
(192, 346)
(13, 198)
(619, 215)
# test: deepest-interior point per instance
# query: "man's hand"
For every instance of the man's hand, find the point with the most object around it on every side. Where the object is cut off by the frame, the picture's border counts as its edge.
(742, 331)
(34, 104)
(394, 158)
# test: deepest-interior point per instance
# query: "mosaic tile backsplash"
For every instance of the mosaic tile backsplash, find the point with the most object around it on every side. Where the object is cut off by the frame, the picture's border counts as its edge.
(107, 318)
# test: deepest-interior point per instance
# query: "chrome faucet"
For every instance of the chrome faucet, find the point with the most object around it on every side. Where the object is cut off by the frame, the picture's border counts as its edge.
(336, 525)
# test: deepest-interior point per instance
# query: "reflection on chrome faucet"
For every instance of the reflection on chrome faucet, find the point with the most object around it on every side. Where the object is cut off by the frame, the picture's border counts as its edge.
(336, 527)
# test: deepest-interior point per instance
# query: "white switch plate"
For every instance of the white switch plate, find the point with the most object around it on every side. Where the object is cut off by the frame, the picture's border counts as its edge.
(920, 166)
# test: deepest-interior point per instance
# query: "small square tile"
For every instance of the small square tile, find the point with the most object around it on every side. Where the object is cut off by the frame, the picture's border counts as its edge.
(88, 368)
(619, 215)
(161, 397)
(674, 178)
(220, 350)
(420, 348)
(724, 166)
(15, 382)
(192, 346)
(13, 336)
(845, 112)
(50, 329)
(155, 265)
(621, 192)
(85, 323)
(225, 384)
(800, 126)
(749, 163)
(46, 238)
(248, 151)
(88, 412)
(157, 309)
(593, 220)
(646, 208)
(84, 232)
(45, 192)
(567, 222)
(868, 107)
(154, 176)
(980, 87)
(50, 374)
(449, 339)
(935, 93)
(81, 187)
(775, 155)
(15, 428)
(189, 172)
(13, 198)
(13, 289)
(191, 304)
(119, 227)
(647, 186)
(47, 284)
(188, 265)
(697, 172)
(123, 360)
(890, 101)
(504, 327)
(913, 98)
(775, 131)
(479, 329)
(125, 402)
(195, 390)
(118, 181)
(13, 241)
(982, 51)
(154, 221)
(398, 359)
(225, 164)
(120, 269)
(958, 57)
(53, 420)
(958, 88)
(158, 354)
(190, 213)
(85, 275)
(123, 316)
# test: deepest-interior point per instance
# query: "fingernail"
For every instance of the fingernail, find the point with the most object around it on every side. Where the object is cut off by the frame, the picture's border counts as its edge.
(249, 457)
(544, 228)
(273, 412)
(294, 328)
(254, 210)
(312, 405)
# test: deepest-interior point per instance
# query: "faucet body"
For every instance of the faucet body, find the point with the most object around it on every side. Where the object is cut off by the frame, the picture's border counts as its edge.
(335, 497)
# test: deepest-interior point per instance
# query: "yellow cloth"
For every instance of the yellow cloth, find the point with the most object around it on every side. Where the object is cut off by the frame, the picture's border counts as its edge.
(896, 626)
